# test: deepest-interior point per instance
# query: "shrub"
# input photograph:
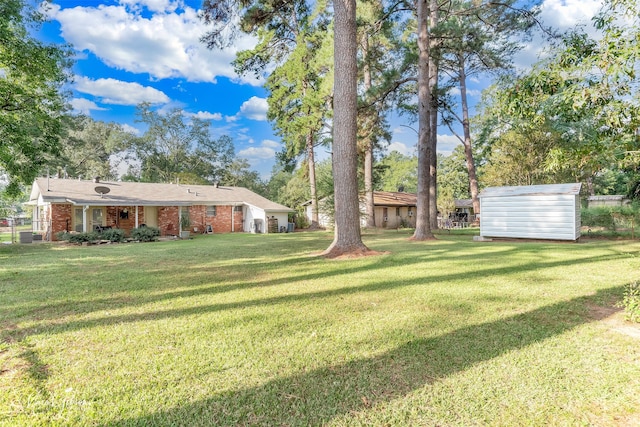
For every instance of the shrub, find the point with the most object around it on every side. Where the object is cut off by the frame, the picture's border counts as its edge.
(611, 217)
(79, 238)
(145, 234)
(113, 235)
(631, 302)
(63, 236)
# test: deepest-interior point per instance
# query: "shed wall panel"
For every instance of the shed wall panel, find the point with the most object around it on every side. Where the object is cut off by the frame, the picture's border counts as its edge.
(538, 216)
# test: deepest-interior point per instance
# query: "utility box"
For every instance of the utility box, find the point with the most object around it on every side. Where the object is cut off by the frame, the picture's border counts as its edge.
(26, 237)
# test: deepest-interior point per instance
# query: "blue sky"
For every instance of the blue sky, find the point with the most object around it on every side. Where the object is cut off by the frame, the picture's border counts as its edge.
(131, 51)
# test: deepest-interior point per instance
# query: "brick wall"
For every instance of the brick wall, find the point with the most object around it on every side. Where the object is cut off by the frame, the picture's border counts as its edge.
(168, 220)
(62, 219)
(124, 217)
(221, 222)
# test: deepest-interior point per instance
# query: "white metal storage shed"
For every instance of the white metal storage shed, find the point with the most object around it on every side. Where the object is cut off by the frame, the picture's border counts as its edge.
(531, 212)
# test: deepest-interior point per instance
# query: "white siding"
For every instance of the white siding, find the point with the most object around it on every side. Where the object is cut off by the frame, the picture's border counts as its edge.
(533, 216)
(252, 213)
(282, 217)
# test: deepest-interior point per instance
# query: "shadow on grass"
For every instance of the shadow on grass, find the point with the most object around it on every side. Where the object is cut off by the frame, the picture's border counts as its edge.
(205, 280)
(54, 326)
(317, 397)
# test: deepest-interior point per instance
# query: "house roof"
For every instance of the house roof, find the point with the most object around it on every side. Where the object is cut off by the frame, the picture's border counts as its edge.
(80, 192)
(391, 198)
(614, 197)
(532, 190)
(463, 203)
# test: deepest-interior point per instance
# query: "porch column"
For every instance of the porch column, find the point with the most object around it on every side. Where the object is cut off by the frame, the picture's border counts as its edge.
(85, 208)
(136, 221)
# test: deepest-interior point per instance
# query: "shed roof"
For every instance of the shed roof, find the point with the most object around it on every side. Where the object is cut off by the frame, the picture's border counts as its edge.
(532, 190)
(80, 192)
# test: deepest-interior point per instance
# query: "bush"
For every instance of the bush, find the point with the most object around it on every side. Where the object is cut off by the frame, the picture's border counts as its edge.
(80, 238)
(113, 235)
(611, 217)
(63, 236)
(631, 302)
(145, 234)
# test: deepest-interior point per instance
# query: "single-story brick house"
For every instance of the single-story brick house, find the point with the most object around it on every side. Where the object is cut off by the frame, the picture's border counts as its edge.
(81, 206)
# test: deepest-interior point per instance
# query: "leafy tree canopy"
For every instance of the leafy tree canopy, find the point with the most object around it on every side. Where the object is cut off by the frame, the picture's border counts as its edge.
(175, 146)
(31, 101)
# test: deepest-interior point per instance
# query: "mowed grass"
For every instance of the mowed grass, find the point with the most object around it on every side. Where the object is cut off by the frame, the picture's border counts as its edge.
(256, 330)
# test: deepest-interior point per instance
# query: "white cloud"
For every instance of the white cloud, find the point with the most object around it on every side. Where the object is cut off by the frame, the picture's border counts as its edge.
(112, 91)
(205, 115)
(130, 129)
(455, 91)
(400, 148)
(271, 144)
(560, 15)
(446, 143)
(266, 151)
(257, 153)
(153, 5)
(165, 44)
(565, 14)
(255, 109)
(85, 106)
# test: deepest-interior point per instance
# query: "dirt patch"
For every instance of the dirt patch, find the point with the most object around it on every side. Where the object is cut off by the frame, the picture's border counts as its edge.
(360, 251)
(613, 318)
(357, 254)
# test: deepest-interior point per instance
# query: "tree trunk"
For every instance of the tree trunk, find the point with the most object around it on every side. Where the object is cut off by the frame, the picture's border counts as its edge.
(433, 135)
(423, 226)
(347, 239)
(468, 152)
(315, 221)
(368, 144)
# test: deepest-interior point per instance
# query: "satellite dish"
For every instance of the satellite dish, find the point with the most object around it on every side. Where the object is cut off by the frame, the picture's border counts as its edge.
(102, 190)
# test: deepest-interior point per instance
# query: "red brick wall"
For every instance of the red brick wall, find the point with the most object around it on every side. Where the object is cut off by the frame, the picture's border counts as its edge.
(62, 219)
(197, 214)
(168, 221)
(116, 217)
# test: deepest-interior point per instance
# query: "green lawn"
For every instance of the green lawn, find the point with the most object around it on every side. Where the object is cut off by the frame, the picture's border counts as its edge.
(254, 330)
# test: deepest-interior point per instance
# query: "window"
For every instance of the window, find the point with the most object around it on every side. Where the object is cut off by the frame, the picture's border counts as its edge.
(237, 209)
(211, 210)
(78, 220)
(397, 211)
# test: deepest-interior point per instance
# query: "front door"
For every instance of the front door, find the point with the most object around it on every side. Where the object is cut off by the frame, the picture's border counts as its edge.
(97, 218)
